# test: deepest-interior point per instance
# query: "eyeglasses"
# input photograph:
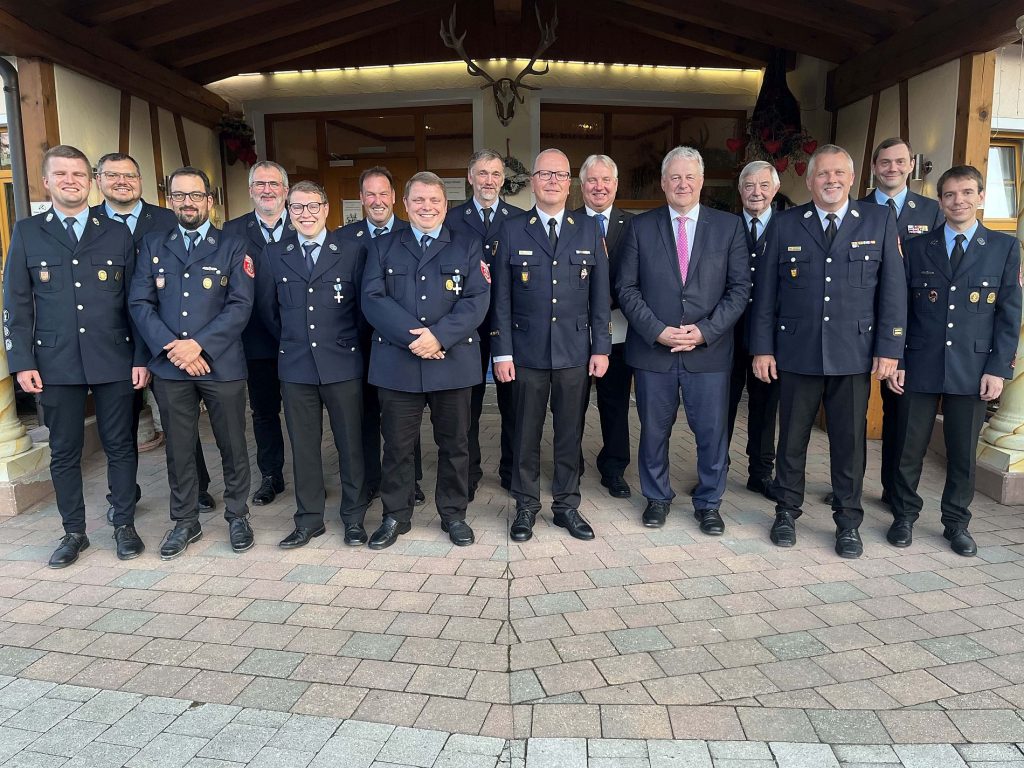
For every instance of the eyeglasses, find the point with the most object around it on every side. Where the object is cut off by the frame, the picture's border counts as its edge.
(267, 184)
(195, 197)
(313, 208)
(546, 175)
(112, 176)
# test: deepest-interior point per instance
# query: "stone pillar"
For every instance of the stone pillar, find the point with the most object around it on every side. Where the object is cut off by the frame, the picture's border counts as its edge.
(24, 467)
(1001, 449)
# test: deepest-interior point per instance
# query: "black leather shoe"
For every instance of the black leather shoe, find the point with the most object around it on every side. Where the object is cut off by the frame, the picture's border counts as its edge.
(459, 532)
(828, 498)
(901, 533)
(762, 485)
(655, 514)
(68, 550)
(783, 530)
(266, 493)
(574, 523)
(848, 543)
(206, 502)
(617, 487)
(240, 534)
(421, 497)
(355, 535)
(522, 526)
(710, 520)
(388, 533)
(129, 545)
(961, 541)
(178, 538)
(300, 537)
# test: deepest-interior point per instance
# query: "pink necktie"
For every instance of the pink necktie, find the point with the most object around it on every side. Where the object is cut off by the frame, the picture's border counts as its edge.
(682, 248)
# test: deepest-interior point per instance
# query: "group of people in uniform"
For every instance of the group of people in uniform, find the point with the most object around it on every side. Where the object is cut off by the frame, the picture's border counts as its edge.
(382, 318)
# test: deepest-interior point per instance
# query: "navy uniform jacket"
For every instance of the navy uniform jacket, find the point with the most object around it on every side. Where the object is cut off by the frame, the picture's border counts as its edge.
(963, 325)
(827, 311)
(616, 223)
(317, 317)
(152, 218)
(66, 309)
(551, 310)
(756, 273)
(653, 296)
(920, 215)
(205, 295)
(445, 291)
(257, 339)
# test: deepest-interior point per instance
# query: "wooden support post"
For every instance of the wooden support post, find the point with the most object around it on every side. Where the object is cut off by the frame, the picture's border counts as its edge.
(124, 132)
(904, 86)
(158, 152)
(179, 129)
(974, 110)
(869, 145)
(39, 119)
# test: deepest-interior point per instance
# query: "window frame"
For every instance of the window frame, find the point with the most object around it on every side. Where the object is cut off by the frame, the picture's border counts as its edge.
(1016, 143)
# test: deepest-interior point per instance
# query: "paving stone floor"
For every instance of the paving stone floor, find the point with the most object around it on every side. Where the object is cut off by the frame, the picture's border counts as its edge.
(744, 654)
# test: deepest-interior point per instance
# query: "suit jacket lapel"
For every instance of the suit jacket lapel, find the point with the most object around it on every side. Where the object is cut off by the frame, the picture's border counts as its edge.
(936, 252)
(669, 242)
(437, 245)
(810, 221)
(849, 226)
(326, 259)
(473, 218)
(973, 250)
(90, 233)
(294, 258)
(615, 226)
(56, 230)
(700, 237)
(537, 231)
(567, 234)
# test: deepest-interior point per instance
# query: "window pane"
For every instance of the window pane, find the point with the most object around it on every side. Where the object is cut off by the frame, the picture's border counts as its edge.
(639, 143)
(350, 136)
(5, 150)
(295, 145)
(1001, 185)
(578, 134)
(449, 138)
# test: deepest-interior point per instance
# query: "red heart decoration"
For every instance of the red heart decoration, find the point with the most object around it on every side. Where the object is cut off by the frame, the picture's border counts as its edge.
(809, 146)
(781, 164)
(773, 146)
(800, 167)
(735, 145)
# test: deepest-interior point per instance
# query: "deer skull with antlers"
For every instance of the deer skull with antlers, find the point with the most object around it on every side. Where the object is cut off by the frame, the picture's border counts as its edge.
(506, 90)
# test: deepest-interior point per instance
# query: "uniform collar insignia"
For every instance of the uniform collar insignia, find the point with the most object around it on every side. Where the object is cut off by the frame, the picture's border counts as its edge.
(533, 219)
(211, 240)
(291, 247)
(504, 211)
(95, 221)
(359, 233)
(911, 203)
(855, 214)
(49, 217)
(333, 247)
(981, 241)
(807, 215)
(174, 236)
(569, 219)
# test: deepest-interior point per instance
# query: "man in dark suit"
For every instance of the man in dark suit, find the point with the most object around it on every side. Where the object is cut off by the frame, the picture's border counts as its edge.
(482, 217)
(377, 195)
(308, 293)
(963, 322)
(830, 314)
(683, 284)
(425, 294)
(758, 185)
(67, 332)
(892, 163)
(551, 332)
(120, 181)
(599, 180)
(268, 223)
(190, 297)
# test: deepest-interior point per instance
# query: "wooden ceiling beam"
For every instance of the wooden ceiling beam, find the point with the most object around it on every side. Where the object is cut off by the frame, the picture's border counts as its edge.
(746, 53)
(945, 35)
(166, 25)
(108, 11)
(273, 54)
(27, 29)
(508, 11)
(289, 21)
(836, 17)
(762, 27)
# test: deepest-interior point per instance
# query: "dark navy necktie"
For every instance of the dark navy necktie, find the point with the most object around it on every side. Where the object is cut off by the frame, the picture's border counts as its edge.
(69, 223)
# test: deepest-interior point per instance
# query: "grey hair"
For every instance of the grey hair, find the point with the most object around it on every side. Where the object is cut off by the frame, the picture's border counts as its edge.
(756, 166)
(594, 160)
(828, 149)
(485, 155)
(550, 151)
(682, 153)
(272, 166)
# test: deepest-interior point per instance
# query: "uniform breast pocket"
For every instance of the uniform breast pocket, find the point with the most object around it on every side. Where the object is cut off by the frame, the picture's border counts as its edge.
(925, 295)
(46, 273)
(864, 264)
(395, 278)
(289, 293)
(338, 289)
(582, 268)
(108, 273)
(453, 277)
(981, 296)
(793, 269)
(525, 270)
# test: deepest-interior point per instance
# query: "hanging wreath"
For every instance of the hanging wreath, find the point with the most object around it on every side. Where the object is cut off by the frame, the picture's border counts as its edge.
(516, 176)
(238, 139)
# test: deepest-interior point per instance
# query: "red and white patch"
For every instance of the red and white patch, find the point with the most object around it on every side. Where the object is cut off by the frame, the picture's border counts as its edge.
(485, 271)
(248, 266)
